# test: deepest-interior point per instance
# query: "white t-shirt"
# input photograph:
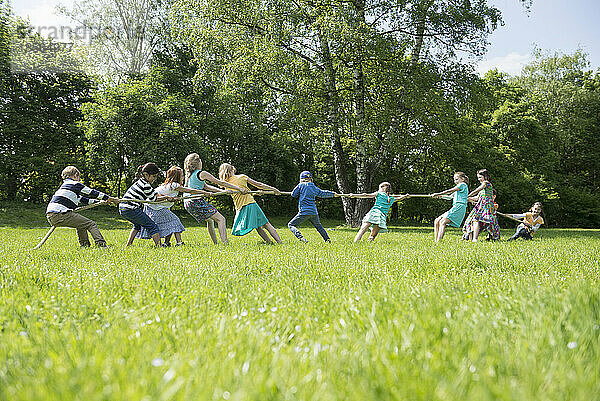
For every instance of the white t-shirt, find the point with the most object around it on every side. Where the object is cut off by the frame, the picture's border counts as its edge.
(166, 190)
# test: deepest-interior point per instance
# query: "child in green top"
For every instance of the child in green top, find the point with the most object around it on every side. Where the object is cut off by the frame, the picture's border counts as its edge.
(456, 214)
(377, 216)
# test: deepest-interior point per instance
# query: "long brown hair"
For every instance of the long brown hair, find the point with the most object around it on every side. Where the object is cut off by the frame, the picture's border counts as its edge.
(174, 174)
(483, 172)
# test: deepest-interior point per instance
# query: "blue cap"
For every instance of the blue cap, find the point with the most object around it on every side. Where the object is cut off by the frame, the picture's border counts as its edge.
(305, 174)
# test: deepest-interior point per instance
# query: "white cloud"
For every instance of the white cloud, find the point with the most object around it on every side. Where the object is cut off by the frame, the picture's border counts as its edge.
(511, 64)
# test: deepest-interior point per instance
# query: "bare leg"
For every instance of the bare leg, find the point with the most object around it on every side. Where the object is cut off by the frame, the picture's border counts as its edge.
(210, 224)
(442, 228)
(178, 238)
(221, 223)
(132, 235)
(156, 238)
(362, 231)
(436, 228)
(168, 239)
(476, 229)
(263, 234)
(374, 232)
(273, 232)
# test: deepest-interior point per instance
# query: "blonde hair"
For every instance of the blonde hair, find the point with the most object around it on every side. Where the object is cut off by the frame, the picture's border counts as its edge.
(463, 176)
(174, 174)
(192, 162)
(226, 171)
(69, 172)
(385, 184)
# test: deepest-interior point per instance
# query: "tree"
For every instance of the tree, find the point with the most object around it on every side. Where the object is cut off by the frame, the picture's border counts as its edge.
(39, 107)
(122, 33)
(332, 54)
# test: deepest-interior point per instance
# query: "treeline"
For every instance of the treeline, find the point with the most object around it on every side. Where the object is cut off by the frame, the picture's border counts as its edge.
(387, 108)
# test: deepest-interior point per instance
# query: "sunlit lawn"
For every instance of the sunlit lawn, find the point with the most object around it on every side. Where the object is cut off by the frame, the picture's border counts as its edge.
(401, 318)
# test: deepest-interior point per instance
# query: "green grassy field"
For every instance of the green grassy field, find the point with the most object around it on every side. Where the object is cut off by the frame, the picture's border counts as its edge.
(401, 318)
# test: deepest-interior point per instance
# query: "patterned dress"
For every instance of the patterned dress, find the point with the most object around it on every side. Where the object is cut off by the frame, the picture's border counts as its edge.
(199, 208)
(485, 213)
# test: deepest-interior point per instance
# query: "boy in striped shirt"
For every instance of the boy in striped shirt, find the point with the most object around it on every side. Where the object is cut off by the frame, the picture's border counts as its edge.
(69, 196)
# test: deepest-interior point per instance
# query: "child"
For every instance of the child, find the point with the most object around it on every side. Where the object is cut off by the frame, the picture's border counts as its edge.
(68, 197)
(468, 226)
(306, 191)
(168, 223)
(199, 208)
(483, 215)
(456, 214)
(143, 191)
(248, 215)
(377, 216)
(532, 220)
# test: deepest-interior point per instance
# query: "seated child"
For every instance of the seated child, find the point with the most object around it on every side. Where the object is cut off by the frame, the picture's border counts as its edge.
(532, 220)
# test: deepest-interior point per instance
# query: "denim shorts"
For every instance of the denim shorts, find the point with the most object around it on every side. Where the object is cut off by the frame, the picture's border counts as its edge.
(139, 220)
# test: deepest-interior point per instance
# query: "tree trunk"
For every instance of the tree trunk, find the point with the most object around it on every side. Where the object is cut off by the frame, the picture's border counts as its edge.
(420, 31)
(363, 180)
(333, 126)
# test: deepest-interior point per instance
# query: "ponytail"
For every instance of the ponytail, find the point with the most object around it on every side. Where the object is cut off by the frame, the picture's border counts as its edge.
(483, 172)
(148, 168)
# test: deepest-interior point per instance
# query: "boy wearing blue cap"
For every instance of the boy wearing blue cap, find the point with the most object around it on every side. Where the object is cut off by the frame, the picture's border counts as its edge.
(306, 192)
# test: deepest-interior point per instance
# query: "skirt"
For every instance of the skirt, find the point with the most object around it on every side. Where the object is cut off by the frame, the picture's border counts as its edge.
(200, 209)
(492, 227)
(247, 219)
(376, 216)
(456, 214)
(168, 223)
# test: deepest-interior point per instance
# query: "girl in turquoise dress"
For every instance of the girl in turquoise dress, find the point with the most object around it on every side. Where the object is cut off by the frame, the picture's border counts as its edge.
(456, 214)
(199, 208)
(483, 215)
(377, 216)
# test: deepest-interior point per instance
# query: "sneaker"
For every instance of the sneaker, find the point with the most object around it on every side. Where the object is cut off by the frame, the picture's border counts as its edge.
(166, 244)
(180, 243)
(304, 240)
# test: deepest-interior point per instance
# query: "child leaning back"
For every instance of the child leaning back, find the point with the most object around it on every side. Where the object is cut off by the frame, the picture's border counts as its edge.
(453, 217)
(131, 207)
(532, 220)
(306, 192)
(67, 198)
(168, 223)
(377, 216)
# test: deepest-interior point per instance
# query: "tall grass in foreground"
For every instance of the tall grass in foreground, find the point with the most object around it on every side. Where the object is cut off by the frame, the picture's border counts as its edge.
(401, 318)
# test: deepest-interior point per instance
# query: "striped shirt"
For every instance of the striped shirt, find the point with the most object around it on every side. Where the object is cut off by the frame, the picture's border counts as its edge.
(71, 194)
(140, 190)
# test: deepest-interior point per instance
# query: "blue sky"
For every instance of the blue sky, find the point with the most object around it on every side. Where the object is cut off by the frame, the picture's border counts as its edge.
(554, 25)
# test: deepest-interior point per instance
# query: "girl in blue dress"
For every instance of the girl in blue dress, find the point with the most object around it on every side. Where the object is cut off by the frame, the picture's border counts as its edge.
(377, 216)
(199, 208)
(453, 217)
